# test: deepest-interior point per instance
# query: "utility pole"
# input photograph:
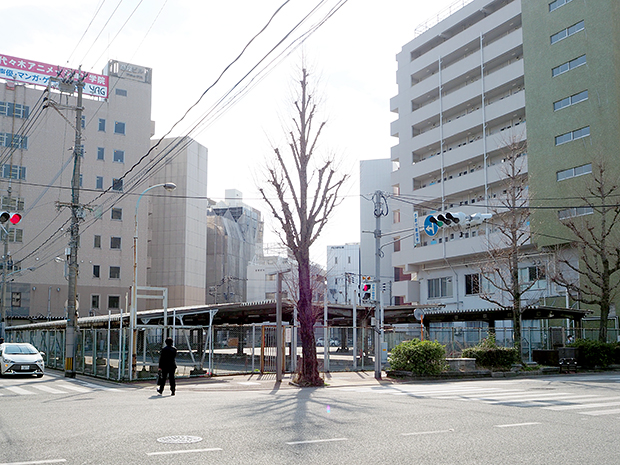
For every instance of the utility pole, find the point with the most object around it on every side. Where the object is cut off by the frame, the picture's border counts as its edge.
(380, 209)
(76, 216)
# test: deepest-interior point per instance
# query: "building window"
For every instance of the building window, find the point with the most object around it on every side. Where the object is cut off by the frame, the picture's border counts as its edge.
(397, 244)
(396, 216)
(100, 153)
(119, 156)
(564, 67)
(14, 234)
(99, 183)
(572, 135)
(13, 140)
(439, 287)
(573, 172)
(94, 302)
(335, 260)
(96, 271)
(119, 128)
(572, 100)
(115, 242)
(117, 185)
(13, 172)
(569, 31)
(533, 277)
(557, 4)
(575, 211)
(472, 284)
(16, 299)
(121, 92)
(97, 242)
(101, 124)
(14, 204)
(17, 110)
(114, 302)
(115, 272)
(117, 214)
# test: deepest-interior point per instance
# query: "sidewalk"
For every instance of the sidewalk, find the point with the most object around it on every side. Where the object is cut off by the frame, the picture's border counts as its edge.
(253, 382)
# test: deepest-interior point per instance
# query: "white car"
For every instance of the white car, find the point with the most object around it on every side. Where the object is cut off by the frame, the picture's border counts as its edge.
(20, 358)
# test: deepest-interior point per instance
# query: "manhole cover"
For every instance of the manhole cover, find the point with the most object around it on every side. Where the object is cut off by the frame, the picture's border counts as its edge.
(179, 439)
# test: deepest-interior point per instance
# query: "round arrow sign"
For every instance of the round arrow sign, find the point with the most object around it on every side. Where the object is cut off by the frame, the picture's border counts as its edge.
(430, 228)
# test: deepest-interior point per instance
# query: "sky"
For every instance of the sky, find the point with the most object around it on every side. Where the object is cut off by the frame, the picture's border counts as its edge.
(190, 44)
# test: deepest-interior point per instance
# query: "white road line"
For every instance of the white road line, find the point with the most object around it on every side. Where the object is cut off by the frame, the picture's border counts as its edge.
(35, 462)
(187, 451)
(601, 412)
(517, 424)
(45, 388)
(97, 386)
(482, 395)
(451, 430)
(74, 388)
(18, 390)
(526, 398)
(314, 441)
(581, 405)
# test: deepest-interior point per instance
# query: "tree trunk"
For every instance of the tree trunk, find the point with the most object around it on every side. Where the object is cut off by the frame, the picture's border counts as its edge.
(309, 373)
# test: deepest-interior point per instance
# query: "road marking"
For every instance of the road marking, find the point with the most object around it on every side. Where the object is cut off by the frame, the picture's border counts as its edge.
(97, 386)
(314, 441)
(74, 388)
(578, 406)
(34, 463)
(418, 433)
(187, 451)
(18, 390)
(601, 412)
(47, 389)
(516, 424)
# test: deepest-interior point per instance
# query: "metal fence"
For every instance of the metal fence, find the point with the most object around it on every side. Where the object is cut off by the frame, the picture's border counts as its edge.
(252, 348)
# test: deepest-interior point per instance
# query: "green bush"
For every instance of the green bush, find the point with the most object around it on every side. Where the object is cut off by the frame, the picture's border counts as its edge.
(419, 357)
(489, 355)
(595, 353)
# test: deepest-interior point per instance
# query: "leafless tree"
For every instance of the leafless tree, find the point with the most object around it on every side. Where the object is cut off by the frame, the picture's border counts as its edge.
(511, 230)
(301, 193)
(593, 279)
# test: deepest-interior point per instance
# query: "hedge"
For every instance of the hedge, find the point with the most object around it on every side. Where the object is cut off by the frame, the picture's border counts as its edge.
(419, 357)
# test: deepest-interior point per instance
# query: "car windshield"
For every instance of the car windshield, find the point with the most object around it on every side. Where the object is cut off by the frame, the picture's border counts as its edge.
(14, 349)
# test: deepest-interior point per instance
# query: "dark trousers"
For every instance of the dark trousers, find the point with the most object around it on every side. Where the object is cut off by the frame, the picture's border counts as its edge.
(165, 374)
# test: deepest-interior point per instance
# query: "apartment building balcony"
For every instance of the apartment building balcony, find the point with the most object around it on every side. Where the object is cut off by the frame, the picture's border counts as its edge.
(500, 77)
(409, 289)
(510, 104)
(511, 11)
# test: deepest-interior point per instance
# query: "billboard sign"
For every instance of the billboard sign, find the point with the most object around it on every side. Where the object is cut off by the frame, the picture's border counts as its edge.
(39, 74)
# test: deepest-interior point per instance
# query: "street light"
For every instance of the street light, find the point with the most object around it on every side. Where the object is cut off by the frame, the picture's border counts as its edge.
(169, 186)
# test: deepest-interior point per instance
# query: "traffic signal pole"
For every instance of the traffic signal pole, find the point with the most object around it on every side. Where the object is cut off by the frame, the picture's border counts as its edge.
(380, 209)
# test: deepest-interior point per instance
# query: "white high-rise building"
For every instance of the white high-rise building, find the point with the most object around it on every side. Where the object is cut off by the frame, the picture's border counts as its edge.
(343, 271)
(461, 99)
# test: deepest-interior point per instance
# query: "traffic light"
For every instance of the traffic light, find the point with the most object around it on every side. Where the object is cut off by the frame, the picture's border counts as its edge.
(448, 219)
(12, 218)
(368, 292)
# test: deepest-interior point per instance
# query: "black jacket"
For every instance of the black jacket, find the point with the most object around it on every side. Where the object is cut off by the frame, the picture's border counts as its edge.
(167, 358)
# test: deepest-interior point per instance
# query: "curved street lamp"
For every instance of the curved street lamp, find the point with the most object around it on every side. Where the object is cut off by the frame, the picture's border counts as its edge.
(169, 186)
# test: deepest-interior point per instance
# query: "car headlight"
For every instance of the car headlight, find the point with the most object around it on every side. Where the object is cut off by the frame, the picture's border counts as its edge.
(8, 360)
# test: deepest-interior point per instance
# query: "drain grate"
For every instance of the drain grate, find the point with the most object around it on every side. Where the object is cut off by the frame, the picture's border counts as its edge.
(179, 439)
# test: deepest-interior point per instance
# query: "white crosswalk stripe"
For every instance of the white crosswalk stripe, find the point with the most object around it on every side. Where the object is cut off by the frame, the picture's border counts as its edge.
(556, 400)
(55, 387)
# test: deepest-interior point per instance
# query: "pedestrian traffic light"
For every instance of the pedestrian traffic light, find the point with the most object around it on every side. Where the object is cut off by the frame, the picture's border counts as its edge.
(368, 292)
(12, 218)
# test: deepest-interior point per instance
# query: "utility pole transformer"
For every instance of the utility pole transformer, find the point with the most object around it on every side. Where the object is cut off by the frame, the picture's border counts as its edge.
(76, 216)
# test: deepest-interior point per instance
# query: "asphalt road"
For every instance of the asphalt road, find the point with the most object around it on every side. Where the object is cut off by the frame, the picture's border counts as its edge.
(572, 419)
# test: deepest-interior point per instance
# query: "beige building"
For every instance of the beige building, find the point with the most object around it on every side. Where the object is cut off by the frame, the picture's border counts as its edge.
(38, 134)
(177, 224)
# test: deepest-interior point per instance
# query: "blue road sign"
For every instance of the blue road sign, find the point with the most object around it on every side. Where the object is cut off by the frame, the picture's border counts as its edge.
(430, 228)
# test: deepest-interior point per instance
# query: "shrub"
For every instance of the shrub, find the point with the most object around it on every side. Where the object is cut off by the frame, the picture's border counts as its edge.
(489, 355)
(594, 353)
(419, 357)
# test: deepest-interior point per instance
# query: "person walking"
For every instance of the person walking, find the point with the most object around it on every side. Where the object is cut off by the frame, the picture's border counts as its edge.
(167, 367)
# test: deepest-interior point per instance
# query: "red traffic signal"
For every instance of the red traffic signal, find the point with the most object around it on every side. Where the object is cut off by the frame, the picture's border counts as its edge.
(12, 218)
